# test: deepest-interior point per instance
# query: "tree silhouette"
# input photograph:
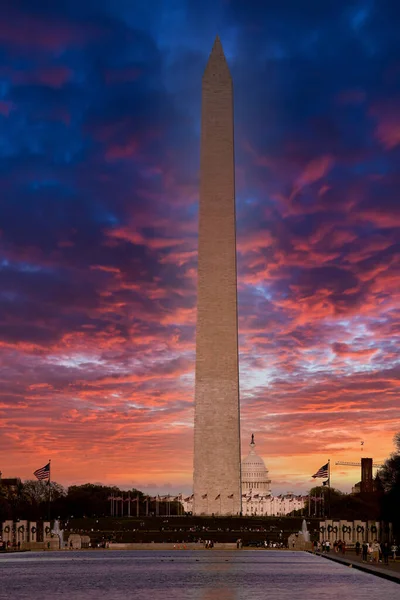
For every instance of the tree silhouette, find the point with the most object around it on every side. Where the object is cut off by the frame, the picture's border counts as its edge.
(390, 478)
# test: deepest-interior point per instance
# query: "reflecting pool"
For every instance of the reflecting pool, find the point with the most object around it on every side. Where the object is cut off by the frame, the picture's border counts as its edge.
(185, 575)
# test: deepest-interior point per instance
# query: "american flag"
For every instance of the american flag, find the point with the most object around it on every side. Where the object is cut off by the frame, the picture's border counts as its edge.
(322, 472)
(43, 473)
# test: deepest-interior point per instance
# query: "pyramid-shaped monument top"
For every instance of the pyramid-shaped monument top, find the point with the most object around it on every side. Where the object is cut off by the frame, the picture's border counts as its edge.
(217, 67)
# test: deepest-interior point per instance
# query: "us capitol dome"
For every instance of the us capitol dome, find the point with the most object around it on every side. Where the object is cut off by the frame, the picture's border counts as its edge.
(256, 489)
(255, 478)
(257, 499)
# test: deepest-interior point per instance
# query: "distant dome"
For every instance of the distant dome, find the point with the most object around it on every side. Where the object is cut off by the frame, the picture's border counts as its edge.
(254, 472)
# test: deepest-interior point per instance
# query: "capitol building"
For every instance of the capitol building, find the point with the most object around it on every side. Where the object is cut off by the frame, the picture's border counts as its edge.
(257, 499)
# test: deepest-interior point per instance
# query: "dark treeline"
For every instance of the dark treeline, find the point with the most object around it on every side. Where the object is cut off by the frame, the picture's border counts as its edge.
(30, 500)
(338, 505)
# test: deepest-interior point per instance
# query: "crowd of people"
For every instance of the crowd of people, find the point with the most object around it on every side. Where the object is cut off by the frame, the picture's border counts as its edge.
(374, 552)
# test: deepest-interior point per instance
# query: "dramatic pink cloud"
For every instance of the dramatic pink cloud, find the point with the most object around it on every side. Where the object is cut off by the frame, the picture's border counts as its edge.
(100, 114)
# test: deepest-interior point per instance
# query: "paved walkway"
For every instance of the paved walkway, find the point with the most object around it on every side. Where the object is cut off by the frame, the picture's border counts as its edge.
(390, 571)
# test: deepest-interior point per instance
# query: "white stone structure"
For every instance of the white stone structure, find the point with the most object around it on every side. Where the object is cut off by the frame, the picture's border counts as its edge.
(24, 534)
(257, 499)
(255, 479)
(352, 532)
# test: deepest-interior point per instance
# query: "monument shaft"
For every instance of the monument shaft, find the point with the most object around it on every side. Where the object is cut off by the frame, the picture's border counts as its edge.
(217, 480)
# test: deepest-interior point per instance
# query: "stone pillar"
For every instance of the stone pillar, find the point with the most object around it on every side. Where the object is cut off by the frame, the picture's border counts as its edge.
(21, 532)
(46, 532)
(32, 531)
(329, 534)
(8, 531)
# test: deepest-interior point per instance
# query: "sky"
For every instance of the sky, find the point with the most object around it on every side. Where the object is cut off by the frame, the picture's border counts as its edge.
(99, 177)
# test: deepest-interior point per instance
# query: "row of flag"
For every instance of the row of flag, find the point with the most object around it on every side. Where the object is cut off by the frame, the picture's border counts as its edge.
(204, 496)
(163, 498)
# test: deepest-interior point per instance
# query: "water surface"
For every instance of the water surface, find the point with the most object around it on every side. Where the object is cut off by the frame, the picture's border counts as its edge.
(185, 575)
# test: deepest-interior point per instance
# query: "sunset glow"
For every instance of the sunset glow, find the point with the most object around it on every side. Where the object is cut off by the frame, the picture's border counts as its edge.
(99, 146)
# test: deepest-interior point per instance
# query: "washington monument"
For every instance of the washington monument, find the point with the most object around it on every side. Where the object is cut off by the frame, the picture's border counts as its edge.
(217, 487)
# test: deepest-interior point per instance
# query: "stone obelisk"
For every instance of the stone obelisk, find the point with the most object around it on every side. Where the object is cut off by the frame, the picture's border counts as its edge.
(217, 480)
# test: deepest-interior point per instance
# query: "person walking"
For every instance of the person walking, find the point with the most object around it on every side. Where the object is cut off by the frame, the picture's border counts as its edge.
(369, 552)
(376, 549)
(357, 548)
(394, 550)
(385, 552)
(364, 556)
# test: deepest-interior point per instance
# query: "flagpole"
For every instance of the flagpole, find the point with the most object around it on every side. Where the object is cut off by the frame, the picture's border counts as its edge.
(49, 489)
(329, 488)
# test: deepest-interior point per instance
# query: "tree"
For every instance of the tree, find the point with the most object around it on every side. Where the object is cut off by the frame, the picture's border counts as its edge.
(14, 497)
(321, 497)
(390, 472)
(89, 500)
(344, 506)
(28, 500)
(36, 496)
(390, 478)
(37, 492)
